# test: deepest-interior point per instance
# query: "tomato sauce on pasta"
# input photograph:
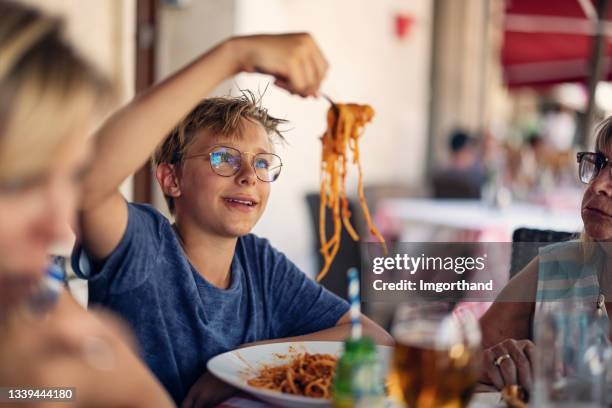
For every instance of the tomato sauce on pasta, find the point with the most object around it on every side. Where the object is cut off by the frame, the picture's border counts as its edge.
(309, 375)
(345, 123)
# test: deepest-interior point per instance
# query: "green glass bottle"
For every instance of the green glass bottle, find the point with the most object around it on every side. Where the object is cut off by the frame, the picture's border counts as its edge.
(359, 379)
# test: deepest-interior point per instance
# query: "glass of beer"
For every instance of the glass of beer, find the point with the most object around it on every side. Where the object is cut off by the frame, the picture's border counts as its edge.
(436, 362)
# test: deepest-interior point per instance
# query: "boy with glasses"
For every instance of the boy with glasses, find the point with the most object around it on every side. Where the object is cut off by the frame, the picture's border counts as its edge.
(203, 285)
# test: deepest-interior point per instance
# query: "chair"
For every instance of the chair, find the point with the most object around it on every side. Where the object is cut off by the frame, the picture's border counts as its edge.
(523, 254)
(349, 254)
(454, 185)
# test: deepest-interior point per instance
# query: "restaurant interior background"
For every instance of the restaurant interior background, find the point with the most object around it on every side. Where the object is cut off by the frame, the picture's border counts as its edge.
(512, 75)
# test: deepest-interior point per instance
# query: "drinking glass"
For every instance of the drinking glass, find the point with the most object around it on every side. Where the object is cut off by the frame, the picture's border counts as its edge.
(572, 350)
(436, 362)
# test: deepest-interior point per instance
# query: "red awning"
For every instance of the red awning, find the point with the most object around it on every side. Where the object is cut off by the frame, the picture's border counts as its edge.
(550, 41)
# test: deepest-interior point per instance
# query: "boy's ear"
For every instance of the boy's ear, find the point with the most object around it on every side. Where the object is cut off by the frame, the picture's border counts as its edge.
(168, 179)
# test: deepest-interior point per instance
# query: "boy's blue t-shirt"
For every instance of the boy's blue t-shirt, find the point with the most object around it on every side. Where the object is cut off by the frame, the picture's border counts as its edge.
(181, 320)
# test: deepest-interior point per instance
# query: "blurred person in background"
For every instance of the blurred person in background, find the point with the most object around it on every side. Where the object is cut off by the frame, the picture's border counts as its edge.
(533, 166)
(558, 127)
(49, 101)
(577, 272)
(540, 168)
(464, 175)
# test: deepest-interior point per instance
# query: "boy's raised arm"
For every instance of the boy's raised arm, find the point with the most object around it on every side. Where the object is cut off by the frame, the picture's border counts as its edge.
(128, 138)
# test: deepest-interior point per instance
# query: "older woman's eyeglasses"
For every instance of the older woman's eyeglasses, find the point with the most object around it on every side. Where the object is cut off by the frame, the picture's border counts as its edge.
(590, 164)
(226, 161)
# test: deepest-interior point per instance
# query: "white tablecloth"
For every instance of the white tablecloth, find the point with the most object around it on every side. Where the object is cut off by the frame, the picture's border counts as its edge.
(476, 215)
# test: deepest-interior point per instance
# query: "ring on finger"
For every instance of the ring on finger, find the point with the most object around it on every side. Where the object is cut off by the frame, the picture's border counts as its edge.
(499, 360)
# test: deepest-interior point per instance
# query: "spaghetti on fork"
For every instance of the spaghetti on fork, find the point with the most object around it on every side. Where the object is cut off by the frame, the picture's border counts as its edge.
(345, 123)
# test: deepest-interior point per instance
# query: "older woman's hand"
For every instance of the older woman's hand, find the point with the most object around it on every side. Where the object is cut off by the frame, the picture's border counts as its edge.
(509, 362)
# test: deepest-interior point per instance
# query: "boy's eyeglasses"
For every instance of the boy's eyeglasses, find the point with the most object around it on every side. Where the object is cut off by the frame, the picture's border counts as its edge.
(590, 164)
(226, 161)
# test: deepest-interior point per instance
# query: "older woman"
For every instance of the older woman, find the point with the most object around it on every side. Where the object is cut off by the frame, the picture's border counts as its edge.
(575, 271)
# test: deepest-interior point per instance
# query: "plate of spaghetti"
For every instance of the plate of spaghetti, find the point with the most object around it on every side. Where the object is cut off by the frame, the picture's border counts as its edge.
(294, 374)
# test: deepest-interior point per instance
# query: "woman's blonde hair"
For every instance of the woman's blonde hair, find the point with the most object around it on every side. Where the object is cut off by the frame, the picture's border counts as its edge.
(47, 91)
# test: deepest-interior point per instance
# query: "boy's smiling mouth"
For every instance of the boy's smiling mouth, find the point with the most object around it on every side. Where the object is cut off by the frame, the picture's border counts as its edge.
(245, 203)
(249, 203)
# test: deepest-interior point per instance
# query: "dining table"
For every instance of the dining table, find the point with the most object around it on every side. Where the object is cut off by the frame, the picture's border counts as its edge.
(479, 400)
(423, 219)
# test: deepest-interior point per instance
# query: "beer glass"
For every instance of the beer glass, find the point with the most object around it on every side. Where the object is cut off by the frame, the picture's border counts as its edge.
(436, 361)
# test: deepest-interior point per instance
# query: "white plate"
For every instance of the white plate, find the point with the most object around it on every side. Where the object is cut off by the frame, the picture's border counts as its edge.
(236, 367)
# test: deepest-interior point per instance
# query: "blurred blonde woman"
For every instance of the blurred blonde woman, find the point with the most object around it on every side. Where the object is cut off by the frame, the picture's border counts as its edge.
(49, 101)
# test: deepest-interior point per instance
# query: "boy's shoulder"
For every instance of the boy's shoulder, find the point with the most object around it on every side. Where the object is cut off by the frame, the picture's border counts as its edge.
(146, 208)
(148, 226)
(146, 213)
(259, 252)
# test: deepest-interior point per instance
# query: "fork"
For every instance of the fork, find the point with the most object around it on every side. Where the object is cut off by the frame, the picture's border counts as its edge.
(335, 109)
(328, 100)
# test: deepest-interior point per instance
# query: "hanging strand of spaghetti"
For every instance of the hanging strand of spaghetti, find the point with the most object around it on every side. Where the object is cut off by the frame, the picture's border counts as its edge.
(366, 211)
(345, 123)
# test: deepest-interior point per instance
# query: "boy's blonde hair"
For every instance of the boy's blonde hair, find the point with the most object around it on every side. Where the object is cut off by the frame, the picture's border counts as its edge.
(46, 90)
(223, 117)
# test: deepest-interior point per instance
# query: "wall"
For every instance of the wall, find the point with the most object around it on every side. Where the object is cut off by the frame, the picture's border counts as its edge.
(103, 32)
(184, 33)
(368, 65)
